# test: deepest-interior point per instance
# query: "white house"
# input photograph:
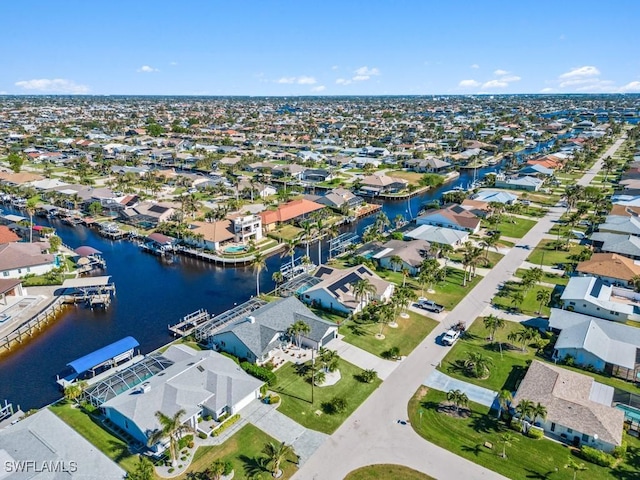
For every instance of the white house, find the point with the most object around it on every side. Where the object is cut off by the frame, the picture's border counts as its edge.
(591, 296)
(20, 259)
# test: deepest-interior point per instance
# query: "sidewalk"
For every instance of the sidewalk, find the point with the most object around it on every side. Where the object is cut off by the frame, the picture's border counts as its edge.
(361, 358)
(444, 383)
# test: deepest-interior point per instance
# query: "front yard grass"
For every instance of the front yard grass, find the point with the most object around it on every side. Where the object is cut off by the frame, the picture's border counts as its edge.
(286, 232)
(491, 257)
(546, 254)
(450, 291)
(89, 427)
(526, 458)
(529, 305)
(385, 472)
(508, 367)
(512, 227)
(410, 332)
(546, 277)
(243, 450)
(295, 393)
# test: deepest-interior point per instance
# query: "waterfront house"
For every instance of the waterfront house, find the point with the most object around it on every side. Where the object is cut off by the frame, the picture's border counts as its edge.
(611, 347)
(579, 409)
(264, 331)
(335, 290)
(294, 211)
(382, 183)
(514, 182)
(202, 383)
(497, 196)
(147, 214)
(20, 259)
(43, 446)
(452, 216)
(427, 165)
(591, 296)
(412, 253)
(626, 245)
(7, 235)
(339, 198)
(611, 268)
(439, 235)
(210, 235)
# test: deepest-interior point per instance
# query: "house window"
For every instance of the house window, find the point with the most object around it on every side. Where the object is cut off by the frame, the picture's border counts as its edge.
(5, 274)
(19, 270)
(612, 312)
(585, 437)
(569, 430)
(617, 313)
(572, 303)
(553, 427)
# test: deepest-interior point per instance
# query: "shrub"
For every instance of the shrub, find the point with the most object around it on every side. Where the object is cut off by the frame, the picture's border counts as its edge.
(228, 468)
(273, 399)
(621, 451)
(597, 456)
(171, 470)
(184, 441)
(336, 405)
(263, 390)
(223, 417)
(208, 418)
(535, 433)
(516, 425)
(230, 421)
(190, 444)
(202, 435)
(259, 372)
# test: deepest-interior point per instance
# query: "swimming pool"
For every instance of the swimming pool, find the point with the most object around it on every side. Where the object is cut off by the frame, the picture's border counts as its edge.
(630, 413)
(235, 249)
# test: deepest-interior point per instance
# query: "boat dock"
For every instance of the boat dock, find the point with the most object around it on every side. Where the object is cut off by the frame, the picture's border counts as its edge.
(95, 292)
(9, 415)
(190, 322)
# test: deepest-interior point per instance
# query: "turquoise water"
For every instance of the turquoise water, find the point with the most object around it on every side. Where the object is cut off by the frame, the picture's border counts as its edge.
(235, 249)
(630, 413)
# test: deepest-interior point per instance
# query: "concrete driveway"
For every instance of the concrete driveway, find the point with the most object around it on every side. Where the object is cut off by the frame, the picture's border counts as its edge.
(361, 358)
(444, 383)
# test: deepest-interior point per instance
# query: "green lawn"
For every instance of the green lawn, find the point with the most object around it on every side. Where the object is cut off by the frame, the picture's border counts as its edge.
(545, 254)
(512, 227)
(508, 368)
(89, 427)
(410, 332)
(546, 277)
(244, 451)
(526, 458)
(492, 257)
(286, 232)
(544, 199)
(386, 472)
(450, 292)
(529, 306)
(295, 392)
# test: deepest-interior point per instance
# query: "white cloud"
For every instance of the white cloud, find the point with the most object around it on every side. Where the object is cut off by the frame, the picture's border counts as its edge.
(147, 69)
(500, 72)
(367, 72)
(468, 83)
(495, 84)
(303, 80)
(342, 81)
(55, 85)
(475, 65)
(173, 64)
(546, 90)
(581, 72)
(630, 87)
(361, 78)
(335, 67)
(510, 78)
(319, 88)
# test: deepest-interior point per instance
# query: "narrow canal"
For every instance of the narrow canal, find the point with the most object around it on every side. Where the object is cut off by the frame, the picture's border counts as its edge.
(151, 294)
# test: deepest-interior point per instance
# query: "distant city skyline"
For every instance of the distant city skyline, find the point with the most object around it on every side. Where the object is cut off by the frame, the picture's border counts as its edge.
(278, 48)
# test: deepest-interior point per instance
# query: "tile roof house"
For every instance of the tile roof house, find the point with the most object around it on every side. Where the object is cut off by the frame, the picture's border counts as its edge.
(294, 210)
(20, 259)
(7, 235)
(611, 268)
(452, 216)
(200, 382)
(55, 449)
(591, 296)
(578, 408)
(261, 334)
(608, 346)
(412, 253)
(382, 183)
(335, 291)
(211, 235)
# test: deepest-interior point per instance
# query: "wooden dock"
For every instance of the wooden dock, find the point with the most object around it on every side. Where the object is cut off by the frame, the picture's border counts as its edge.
(33, 326)
(190, 322)
(95, 292)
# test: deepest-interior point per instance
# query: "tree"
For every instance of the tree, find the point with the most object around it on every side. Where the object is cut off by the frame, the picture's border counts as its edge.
(429, 270)
(143, 470)
(507, 440)
(259, 263)
(493, 324)
(478, 365)
(276, 453)
(95, 208)
(74, 391)
(369, 375)
(516, 300)
(504, 400)
(329, 359)
(171, 427)
(522, 336)
(635, 281)
(216, 470)
(15, 162)
(575, 466)
(458, 398)
(55, 242)
(386, 315)
(362, 289)
(307, 233)
(32, 203)
(543, 297)
(396, 262)
(277, 278)
(297, 329)
(525, 409)
(290, 249)
(539, 410)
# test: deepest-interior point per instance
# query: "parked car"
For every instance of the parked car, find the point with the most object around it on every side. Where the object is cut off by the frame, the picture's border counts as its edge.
(453, 334)
(429, 305)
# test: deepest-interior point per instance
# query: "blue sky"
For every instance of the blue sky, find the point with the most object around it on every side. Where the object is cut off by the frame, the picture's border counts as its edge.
(328, 47)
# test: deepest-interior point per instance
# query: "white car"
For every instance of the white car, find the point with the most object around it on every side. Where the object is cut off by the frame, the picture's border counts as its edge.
(450, 337)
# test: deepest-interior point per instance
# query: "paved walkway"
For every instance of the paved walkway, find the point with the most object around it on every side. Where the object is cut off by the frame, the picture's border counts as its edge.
(361, 358)
(371, 435)
(444, 383)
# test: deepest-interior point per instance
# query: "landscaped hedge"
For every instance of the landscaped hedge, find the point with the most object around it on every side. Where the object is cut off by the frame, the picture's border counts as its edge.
(230, 421)
(516, 425)
(535, 433)
(621, 451)
(597, 456)
(260, 373)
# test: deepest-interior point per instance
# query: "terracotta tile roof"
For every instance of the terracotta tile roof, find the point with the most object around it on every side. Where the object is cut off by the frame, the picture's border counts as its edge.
(7, 235)
(609, 265)
(289, 211)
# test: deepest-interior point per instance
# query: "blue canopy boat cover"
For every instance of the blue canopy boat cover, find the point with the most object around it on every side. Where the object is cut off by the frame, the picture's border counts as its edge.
(104, 354)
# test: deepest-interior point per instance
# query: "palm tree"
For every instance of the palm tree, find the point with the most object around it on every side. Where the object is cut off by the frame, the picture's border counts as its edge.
(297, 329)
(543, 296)
(635, 281)
(329, 359)
(504, 400)
(478, 365)
(332, 232)
(516, 300)
(396, 262)
(386, 315)
(171, 427)
(259, 263)
(525, 409)
(539, 410)
(507, 440)
(307, 230)
(458, 398)
(362, 289)
(31, 209)
(493, 324)
(382, 221)
(522, 336)
(429, 270)
(290, 249)
(277, 278)
(276, 454)
(321, 230)
(575, 466)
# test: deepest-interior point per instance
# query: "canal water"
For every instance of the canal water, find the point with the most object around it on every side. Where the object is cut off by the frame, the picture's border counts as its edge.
(151, 294)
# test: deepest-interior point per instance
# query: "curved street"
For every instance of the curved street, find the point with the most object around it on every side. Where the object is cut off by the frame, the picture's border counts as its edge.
(372, 435)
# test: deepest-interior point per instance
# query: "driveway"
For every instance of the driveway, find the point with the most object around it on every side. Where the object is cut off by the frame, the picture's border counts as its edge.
(444, 383)
(361, 358)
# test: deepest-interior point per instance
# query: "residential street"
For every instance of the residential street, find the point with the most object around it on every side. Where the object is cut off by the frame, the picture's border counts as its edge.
(372, 435)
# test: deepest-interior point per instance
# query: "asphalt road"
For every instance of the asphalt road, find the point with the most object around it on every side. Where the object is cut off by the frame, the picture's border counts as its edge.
(372, 435)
